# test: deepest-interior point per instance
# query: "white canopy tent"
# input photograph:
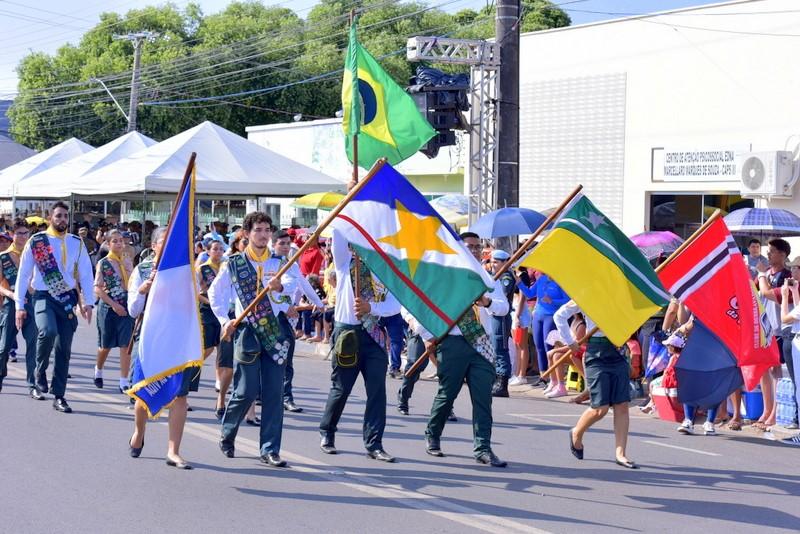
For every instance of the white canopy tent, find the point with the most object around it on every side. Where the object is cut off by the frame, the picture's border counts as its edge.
(12, 152)
(228, 166)
(60, 181)
(65, 151)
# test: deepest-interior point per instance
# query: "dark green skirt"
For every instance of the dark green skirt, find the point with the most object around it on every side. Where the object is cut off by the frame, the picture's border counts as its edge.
(607, 373)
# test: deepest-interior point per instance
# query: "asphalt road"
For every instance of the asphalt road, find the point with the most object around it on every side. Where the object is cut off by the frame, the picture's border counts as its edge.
(72, 473)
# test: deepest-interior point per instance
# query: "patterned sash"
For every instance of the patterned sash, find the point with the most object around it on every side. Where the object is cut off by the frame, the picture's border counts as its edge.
(207, 274)
(473, 331)
(262, 319)
(113, 281)
(53, 279)
(145, 269)
(368, 292)
(9, 268)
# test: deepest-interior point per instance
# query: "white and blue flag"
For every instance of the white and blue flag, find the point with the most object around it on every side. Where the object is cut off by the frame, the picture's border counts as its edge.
(171, 337)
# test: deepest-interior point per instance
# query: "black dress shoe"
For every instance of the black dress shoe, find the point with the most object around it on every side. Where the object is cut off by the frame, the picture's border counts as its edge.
(576, 452)
(60, 405)
(627, 464)
(452, 417)
(500, 388)
(98, 382)
(273, 460)
(381, 455)
(327, 446)
(36, 394)
(226, 448)
(179, 464)
(253, 422)
(135, 452)
(433, 447)
(489, 458)
(403, 410)
(291, 407)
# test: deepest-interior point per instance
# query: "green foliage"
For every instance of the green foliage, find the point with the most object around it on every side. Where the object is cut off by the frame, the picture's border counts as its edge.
(247, 47)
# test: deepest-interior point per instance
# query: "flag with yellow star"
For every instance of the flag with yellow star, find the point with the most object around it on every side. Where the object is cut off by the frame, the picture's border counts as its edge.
(600, 269)
(412, 250)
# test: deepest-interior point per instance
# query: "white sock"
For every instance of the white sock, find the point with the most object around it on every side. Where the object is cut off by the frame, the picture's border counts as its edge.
(98, 373)
(124, 382)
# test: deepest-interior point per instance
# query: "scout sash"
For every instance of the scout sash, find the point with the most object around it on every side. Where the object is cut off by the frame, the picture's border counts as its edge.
(207, 274)
(145, 269)
(473, 331)
(48, 267)
(368, 292)
(114, 283)
(9, 268)
(262, 319)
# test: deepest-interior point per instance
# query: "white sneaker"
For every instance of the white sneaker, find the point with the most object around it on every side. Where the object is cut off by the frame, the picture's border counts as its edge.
(686, 427)
(559, 391)
(549, 388)
(708, 429)
(516, 381)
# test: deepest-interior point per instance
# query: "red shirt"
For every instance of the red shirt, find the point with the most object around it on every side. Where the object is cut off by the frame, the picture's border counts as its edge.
(311, 261)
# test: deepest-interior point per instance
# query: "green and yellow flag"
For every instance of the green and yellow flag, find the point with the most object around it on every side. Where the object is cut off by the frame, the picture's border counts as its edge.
(380, 113)
(600, 269)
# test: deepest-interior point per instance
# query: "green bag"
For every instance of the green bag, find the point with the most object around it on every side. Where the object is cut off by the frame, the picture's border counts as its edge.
(346, 348)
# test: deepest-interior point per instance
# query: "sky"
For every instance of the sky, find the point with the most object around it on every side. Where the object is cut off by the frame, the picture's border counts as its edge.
(45, 25)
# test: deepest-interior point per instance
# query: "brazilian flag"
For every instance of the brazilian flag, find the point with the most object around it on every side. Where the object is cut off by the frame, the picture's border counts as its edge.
(381, 114)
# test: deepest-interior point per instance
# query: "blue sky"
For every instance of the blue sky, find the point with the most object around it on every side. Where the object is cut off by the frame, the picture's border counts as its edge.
(45, 25)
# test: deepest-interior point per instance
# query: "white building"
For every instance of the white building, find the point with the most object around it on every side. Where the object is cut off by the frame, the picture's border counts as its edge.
(319, 144)
(652, 113)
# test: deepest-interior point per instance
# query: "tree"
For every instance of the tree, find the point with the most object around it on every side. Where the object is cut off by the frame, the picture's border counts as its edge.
(249, 64)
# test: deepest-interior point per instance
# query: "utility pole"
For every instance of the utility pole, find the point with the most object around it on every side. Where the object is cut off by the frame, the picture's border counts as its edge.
(507, 25)
(138, 40)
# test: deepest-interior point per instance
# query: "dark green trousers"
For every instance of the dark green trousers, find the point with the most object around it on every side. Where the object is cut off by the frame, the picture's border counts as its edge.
(254, 373)
(415, 347)
(8, 333)
(55, 330)
(372, 365)
(459, 361)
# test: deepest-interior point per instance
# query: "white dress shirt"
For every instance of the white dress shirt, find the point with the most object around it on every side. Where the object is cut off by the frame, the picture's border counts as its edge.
(304, 287)
(135, 299)
(77, 260)
(345, 301)
(497, 307)
(222, 291)
(561, 320)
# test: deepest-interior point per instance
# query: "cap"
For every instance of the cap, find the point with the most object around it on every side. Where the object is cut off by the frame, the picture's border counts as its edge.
(675, 340)
(501, 255)
(6, 236)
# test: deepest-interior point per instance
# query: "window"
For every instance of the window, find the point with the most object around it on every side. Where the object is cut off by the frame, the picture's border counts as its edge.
(684, 213)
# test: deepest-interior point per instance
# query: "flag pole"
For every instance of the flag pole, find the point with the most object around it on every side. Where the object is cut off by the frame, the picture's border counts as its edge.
(354, 178)
(430, 349)
(714, 216)
(324, 224)
(187, 175)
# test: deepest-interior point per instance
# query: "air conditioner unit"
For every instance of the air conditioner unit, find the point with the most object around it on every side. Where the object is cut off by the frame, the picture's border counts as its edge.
(766, 174)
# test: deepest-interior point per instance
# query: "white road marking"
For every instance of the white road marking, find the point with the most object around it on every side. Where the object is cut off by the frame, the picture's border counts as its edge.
(365, 484)
(687, 449)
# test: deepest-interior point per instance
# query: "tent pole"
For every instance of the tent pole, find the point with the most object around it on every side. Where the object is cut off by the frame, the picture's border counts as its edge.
(71, 210)
(144, 206)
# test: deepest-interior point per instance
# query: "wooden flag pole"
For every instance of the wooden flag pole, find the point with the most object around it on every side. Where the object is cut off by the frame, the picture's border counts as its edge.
(714, 216)
(431, 347)
(354, 178)
(186, 177)
(324, 224)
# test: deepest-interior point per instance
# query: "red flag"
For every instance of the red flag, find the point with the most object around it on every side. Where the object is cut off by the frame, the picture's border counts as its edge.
(710, 277)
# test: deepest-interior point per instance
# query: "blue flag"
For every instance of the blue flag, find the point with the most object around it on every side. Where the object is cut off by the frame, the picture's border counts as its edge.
(171, 336)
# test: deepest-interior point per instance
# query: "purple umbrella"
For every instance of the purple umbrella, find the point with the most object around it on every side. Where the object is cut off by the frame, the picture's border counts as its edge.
(656, 244)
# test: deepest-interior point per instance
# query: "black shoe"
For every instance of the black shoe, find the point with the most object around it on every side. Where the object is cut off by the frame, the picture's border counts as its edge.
(381, 455)
(500, 388)
(220, 413)
(273, 460)
(627, 464)
(452, 417)
(576, 452)
(36, 394)
(433, 447)
(60, 405)
(179, 464)
(395, 373)
(226, 448)
(489, 458)
(327, 446)
(12, 359)
(290, 406)
(403, 410)
(253, 422)
(189, 409)
(135, 452)
(98, 382)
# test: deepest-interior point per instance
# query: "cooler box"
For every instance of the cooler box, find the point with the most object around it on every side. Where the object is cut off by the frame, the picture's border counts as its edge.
(574, 379)
(667, 405)
(752, 405)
